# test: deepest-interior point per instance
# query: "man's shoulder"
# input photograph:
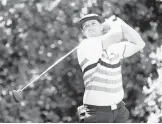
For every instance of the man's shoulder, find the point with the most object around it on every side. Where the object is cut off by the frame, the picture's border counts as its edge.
(84, 41)
(83, 44)
(82, 48)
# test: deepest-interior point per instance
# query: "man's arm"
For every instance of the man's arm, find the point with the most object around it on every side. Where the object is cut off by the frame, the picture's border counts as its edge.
(113, 32)
(135, 42)
(81, 54)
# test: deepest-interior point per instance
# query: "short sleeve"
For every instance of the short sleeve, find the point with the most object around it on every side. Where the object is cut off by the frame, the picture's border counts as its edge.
(124, 49)
(119, 49)
(80, 55)
(81, 52)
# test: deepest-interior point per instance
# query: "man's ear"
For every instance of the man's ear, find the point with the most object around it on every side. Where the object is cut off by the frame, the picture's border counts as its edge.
(84, 33)
(102, 27)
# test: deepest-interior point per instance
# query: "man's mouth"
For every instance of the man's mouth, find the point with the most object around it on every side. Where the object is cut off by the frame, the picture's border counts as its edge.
(92, 31)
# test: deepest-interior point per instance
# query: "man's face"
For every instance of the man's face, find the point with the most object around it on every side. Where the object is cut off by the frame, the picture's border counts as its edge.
(92, 28)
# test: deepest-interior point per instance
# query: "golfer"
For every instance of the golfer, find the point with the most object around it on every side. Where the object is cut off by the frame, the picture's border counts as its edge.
(99, 56)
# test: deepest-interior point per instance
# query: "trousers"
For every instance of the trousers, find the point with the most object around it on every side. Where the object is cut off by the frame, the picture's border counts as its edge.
(103, 114)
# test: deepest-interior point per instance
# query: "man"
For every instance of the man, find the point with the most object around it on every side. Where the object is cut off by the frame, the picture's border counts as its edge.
(99, 57)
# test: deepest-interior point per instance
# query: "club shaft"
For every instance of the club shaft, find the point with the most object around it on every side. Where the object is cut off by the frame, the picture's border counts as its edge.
(55, 63)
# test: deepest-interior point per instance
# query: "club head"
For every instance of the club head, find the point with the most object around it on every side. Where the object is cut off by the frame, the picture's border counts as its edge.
(17, 96)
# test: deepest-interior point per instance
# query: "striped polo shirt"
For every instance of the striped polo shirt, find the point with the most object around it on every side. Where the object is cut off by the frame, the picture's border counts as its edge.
(101, 72)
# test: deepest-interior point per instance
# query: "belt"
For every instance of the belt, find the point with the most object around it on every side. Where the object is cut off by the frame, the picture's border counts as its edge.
(111, 107)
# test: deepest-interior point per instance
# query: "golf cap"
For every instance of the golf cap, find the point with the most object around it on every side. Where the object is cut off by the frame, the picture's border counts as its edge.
(89, 17)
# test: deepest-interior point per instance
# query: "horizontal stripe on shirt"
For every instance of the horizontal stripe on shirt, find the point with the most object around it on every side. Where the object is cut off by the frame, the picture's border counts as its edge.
(108, 69)
(90, 72)
(102, 80)
(89, 76)
(104, 89)
(102, 73)
(102, 70)
(108, 73)
(103, 64)
(108, 77)
(105, 84)
(83, 62)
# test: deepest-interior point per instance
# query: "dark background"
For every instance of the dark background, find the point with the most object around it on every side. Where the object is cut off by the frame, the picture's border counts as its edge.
(35, 33)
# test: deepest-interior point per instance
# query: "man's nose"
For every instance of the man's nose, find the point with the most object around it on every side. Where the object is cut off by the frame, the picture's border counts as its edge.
(90, 29)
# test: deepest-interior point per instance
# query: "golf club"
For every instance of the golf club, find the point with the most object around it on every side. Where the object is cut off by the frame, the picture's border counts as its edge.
(17, 93)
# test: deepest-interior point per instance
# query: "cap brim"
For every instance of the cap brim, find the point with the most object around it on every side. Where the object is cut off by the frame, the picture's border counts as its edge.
(88, 18)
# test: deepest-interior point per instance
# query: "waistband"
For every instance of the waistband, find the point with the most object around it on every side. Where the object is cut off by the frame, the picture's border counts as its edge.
(111, 107)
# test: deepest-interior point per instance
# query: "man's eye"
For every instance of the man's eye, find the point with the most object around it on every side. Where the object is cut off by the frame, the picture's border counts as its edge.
(93, 23)
(85, 26)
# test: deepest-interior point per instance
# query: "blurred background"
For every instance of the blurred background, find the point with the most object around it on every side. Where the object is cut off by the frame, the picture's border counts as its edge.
(35, 33)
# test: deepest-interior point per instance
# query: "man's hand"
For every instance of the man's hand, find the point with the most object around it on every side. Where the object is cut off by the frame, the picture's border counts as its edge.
(108, 24)
(106, 27)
